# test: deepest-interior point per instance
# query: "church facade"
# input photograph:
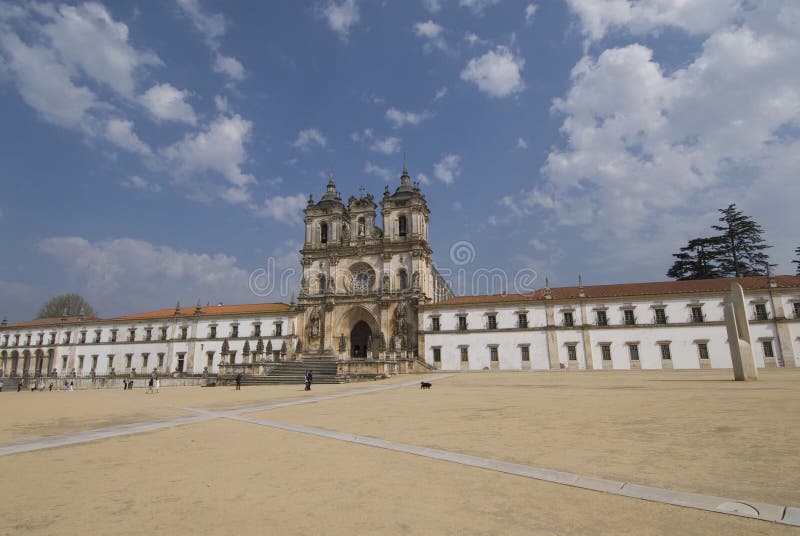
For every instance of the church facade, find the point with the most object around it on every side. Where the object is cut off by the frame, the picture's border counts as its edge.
(371, 300)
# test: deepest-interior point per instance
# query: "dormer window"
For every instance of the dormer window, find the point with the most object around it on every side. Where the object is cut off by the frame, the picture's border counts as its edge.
(402, 226)
(323, 233)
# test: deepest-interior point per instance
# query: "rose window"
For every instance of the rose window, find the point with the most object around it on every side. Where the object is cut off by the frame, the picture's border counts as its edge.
(362, 277)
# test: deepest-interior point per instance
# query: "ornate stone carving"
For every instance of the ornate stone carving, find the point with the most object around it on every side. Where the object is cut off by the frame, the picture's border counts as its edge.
(313, 326)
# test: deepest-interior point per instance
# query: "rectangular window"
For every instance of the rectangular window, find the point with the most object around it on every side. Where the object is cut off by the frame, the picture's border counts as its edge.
(435, 326)
(492, 322)
(462, 323)
(163, 334)
(437, 355)
(67, 337)
(16, 340)
(145, 358)
(97, 335)
(179, 367)
(697, 315)
(569, 321)
(113, 336)
(628, 317)
(602, 318)
(572, 354)
(82, 339)
(665, 353)
(761, 311)
(131, 334)
(493, 353)
(522, 320)
(209, 360)
(797, 310)
(661, 316)
(160, 360)
(52, 338)
(80, 363)
(183, 333)
(28, 339)
(63, 362)
(212, 332)
(525, 351)
(148, 334)
(234, 331)
(767, 346)
(605, 350)
(256, 330)
(110, 362)
(94, 362)
(464, 353)
(278, 329)
(634, 350)
(128, 360)
(702, 349)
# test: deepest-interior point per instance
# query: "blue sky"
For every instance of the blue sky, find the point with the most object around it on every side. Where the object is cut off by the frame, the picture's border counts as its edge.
(163, 151)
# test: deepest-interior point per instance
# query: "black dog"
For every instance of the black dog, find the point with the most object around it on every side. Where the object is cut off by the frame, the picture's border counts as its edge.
(424, 385)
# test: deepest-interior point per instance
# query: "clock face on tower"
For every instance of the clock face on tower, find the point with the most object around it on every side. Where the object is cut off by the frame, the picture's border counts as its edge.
(361, 278)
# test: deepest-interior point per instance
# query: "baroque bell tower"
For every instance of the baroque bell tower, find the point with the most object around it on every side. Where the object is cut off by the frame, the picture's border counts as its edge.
(362, 282)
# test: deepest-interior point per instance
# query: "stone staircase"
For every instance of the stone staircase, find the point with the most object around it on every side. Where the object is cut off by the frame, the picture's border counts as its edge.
(291, 373)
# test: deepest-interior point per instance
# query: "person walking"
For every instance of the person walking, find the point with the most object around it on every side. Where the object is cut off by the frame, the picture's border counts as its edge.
(19, 385)
(309, 377)
(158, 385)
(239, 382)
(150, 385)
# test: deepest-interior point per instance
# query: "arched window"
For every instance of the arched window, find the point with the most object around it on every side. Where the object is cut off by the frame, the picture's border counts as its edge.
(323, 233)
(321, 284)
(402, 226)
(403, 276)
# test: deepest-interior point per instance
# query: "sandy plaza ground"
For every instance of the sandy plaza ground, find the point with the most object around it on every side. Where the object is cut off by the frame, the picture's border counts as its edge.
(694, 431)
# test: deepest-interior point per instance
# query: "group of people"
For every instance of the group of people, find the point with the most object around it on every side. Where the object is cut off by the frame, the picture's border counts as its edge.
(154, 385)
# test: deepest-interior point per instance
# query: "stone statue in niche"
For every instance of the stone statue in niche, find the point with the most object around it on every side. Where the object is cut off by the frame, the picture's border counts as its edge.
(415, 280)
(345, 232)
(386, 282)
(361, 227)
(400, 320)
(313, 324)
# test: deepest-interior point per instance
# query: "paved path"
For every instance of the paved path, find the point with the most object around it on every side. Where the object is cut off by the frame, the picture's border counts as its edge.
(762, 511)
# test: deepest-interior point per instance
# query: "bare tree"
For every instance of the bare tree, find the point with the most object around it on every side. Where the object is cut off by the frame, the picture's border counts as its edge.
(71, 304)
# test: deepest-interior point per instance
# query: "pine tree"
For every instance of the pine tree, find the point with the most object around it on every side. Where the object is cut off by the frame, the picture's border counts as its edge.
(741, 252)
(698, 260)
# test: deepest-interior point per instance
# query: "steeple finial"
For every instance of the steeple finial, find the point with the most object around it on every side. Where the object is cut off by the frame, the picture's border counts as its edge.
(581, 291)
(331, 184)
(178, 308)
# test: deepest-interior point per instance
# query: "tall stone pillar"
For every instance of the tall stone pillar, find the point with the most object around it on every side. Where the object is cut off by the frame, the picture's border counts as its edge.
(552, 338)
(744, 365)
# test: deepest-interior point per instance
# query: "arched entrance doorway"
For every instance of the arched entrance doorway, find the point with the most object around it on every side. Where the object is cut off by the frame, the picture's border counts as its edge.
(359, 339)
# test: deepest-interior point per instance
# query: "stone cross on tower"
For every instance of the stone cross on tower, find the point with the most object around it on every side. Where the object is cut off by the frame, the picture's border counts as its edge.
(361, 190)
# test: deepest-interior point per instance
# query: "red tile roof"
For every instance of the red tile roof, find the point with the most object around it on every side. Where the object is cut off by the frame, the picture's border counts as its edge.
(211, 310)
(628, 290)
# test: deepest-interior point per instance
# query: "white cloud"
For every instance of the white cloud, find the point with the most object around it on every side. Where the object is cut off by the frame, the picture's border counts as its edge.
(221, 103)
(477, 6)
(440, 93)
(45, 85)
(432, 33)
(398, 118)
(521, 144)
(218, 150)
(213, 27)
(285, 209)
(137, 183)
(120, 133)
(423, 179)
(341, 16)
(134, 268)
(597, 17)
(88, 39)
(308, 137)
(530, 13)
(434, 6)
(389, 145)
(496, 73)
(474, 39)
(657, 152)
(381, 172)
(447, 168)
(230, 66)
(364, 135)
(165, 102)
